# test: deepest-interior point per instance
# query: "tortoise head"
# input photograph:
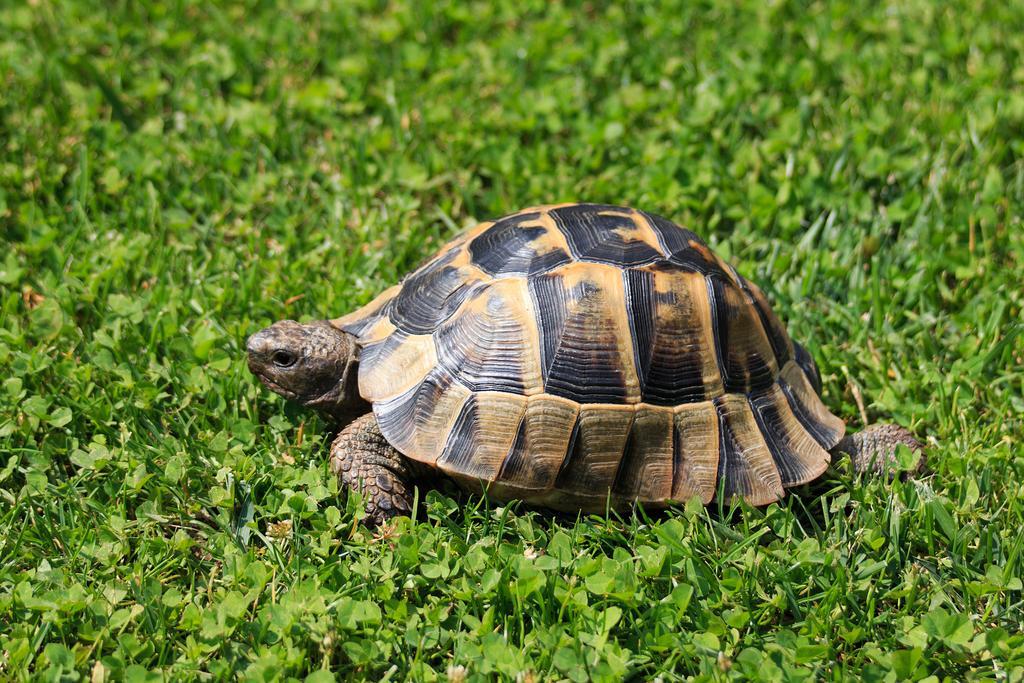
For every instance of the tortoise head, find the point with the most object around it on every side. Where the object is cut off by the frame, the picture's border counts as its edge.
(313, 364)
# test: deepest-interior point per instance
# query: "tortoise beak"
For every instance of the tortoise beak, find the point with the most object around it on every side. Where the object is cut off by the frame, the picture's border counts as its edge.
(271, 358)
(258, 346)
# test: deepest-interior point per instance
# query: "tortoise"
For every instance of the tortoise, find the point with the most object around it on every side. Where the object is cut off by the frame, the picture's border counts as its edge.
(574, 357)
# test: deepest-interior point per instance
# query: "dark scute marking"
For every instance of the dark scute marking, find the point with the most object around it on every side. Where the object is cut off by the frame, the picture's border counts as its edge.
(594, 237)
(777, 336)
(675, 241)
(769, 421)
(743, 369)
(373, 354)
(672, 374)
(691, 260)
(825, 437)
(461, 444)
(627, 475)
(806, 362)
(515, 466)
(429, 296)
(640, 311)
(571, 451)
(400, 417)
(396, 417)
(677, 456)
(641, 469)
(719, 334)
(731, 466)
(548, 294)
(507, 248)
(672, 237)
(484, 350)
(585, 365)
(358, 327)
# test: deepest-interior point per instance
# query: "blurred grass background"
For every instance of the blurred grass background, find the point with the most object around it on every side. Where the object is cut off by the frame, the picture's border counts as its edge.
(177, 174)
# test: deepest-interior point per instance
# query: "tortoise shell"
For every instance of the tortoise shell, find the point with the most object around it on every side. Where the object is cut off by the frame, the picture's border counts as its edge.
(575, 354)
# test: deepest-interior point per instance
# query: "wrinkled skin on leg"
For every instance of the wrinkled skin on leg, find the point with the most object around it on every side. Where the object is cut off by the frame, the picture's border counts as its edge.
(364, 461)
(874, 449)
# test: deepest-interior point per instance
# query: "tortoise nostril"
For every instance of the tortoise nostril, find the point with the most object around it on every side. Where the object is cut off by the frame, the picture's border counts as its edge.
(284, 359)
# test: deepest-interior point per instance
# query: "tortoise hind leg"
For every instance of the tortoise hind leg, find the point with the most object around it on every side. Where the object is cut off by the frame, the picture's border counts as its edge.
(364, 461)
(874, 449)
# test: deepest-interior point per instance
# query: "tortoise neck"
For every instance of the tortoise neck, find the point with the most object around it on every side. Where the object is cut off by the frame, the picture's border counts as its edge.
(343, 403)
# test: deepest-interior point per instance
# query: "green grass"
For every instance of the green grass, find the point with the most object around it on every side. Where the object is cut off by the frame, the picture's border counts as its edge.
(174, 175)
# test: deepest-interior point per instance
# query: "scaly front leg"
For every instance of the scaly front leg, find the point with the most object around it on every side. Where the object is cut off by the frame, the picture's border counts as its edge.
(364, 461)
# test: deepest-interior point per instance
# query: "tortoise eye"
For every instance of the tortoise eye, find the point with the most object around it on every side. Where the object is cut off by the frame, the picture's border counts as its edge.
(284, 359)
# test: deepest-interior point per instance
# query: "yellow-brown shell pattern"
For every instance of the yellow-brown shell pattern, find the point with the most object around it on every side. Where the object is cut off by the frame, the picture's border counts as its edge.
(578, 354)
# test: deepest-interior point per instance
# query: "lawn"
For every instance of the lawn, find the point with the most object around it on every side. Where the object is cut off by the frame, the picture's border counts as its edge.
(176, 174)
